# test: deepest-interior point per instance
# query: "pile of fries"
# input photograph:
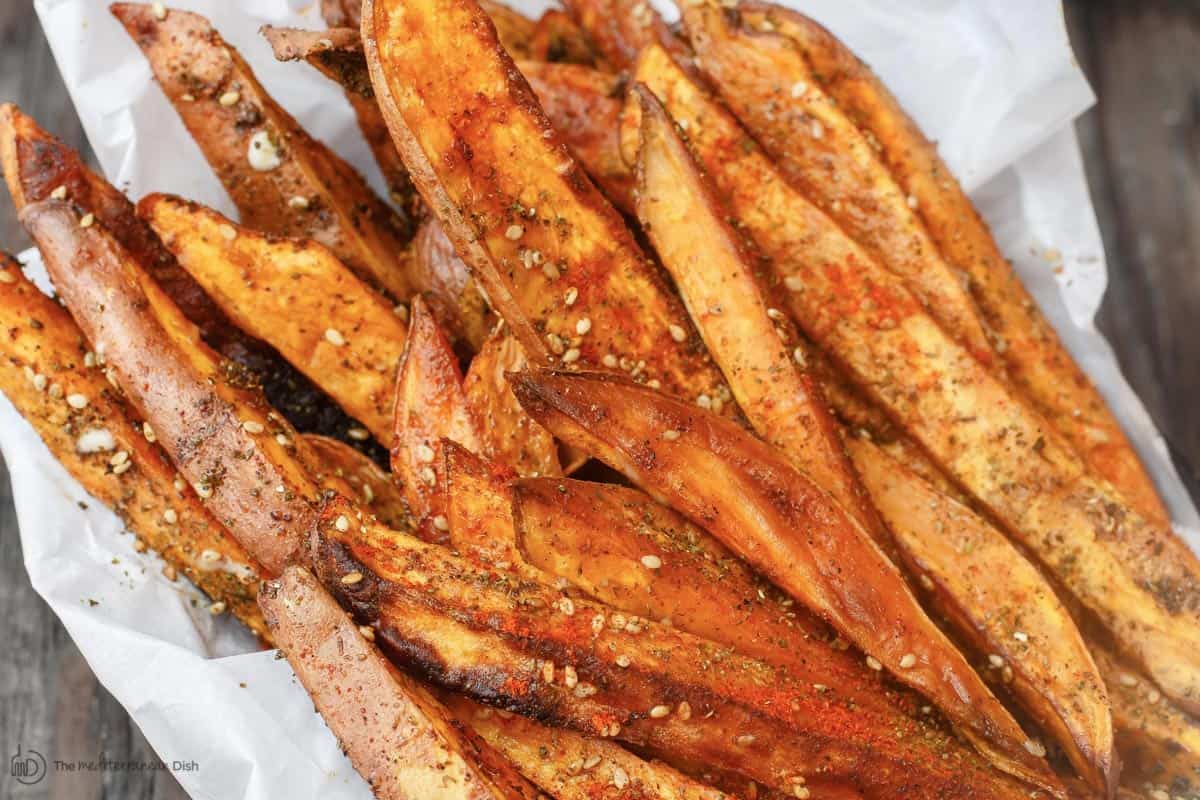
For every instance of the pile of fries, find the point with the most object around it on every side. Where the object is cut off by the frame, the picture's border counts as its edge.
(855, 524)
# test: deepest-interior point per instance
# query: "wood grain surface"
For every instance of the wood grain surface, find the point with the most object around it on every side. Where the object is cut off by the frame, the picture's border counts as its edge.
(1142, 147)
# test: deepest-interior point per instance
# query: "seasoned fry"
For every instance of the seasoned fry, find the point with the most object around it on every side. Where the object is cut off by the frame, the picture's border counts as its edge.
(749, 496)
(282, 180)
(404, 742)
(1139, 578)
(765, 80)
(53, 380)
(557, 39)
(521, 646)
(1003, 606)
(374, 486)
(430, 406)
(1028, 346)
(244, 460)
(754, 344)
(551, 254)
(507, 434)
(619, 29)
(479, 509)
(296, 296)
(584, 105)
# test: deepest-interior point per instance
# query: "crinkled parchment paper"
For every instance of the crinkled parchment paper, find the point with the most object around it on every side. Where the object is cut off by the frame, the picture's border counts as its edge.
(994, 83)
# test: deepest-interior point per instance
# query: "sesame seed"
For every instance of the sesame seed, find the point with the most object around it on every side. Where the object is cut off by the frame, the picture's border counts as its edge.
(583, 326)
(620, 778)
(59, 193)
(817, 129)
(684, 711)
(623, 661)
(425, 453)
(342, 523)
(252, 426)
(775, 314)
(139, 545)
(217, 608)
(358, 434)
(210, 556)
(704, 401)
(926, 582)
(170, 517)
(351, 578)
(203, 489)
(160, 11)
(571, 296)
(617, 621)
(441, 523)
(566, 606)
(428, 475)
(591, 761)
(1153, 696)
(119, 458)
(401, 311)
(658, 712)
(367, 632)
(799, 88)
(1021, 636)
(571, 356)
(908, 661)
(597, 623)
(280, 489)
(230, 99)
(262, 153)
(548, 671)
(334, 337)
(7, 277)
(77, 401)
(912, 201)
(874, 663)
(799, 357)
(670, 435)
(179, 484)
(651, 561)
(570, 677)
(282, 440)
(40, 381)
(87, 220)
(745, 740)
(801, 792)
(228, 232)
(1035, 748)
(1128, 680)
(514, 232)
(610, 361)
(89, 359)
(677, 333)
(550, 271)
(148, 432)
(996, 660)
(298, 203)
(169, 572)
(188, 97)
(1159, 794)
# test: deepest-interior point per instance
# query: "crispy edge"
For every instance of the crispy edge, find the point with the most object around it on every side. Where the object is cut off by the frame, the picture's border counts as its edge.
(46, 370)
(296, 296)
(299, 187)
(378, 491)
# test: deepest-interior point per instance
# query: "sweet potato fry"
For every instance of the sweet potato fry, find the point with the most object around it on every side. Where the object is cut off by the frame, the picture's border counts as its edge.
(749, 496)
(281, 179)
(584, 105)
(448, 286)
(1003, 607)
(619, 29)
(296, 296)
(375, 488)
(53, 380)
(522, 646)
(404, 742)
(1027, 344)
(507, 434)
(558, 40)
(753, 343)
(765, 80)
(245, 461)
(430, 406)
(551, 254)
(1139, 578)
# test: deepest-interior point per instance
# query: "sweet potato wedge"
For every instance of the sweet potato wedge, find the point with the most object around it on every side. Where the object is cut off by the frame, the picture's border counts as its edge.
(557, 39)
(551, 254)
(51, 378)
(1138, 577)
(244, 460)
(479, 508)
(749, 496)
(404, 742)
(375, 488)
(430, 406)
(585, 106)
(295, 295)
(767, 83)
(1003, 607)
(507, 434)
(1024, 339)
(619, 29)
(753, 343)
(282, 180)
(521, 646)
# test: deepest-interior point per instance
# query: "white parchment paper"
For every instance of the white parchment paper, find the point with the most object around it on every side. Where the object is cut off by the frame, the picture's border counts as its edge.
(994, 83)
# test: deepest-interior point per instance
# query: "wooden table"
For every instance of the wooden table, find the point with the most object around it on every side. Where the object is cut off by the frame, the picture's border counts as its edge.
(1142, 146)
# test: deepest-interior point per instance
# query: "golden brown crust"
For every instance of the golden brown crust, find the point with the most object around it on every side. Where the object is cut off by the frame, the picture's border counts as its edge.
(404, 742)
(1139, 578)
(282, 180)
(546, 247)
(619, 29)
(46, 369)
(295, 295)
(998, 601)
(749, 496)
(479, 509)
(770, 87)
(508, 435)
(219, 433)
(510, 642)
(1024, 339)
